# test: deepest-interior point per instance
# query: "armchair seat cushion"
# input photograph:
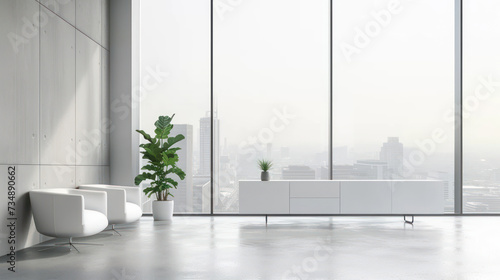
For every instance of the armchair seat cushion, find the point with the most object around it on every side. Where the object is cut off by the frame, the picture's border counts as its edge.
(132, 212)
(93, 222)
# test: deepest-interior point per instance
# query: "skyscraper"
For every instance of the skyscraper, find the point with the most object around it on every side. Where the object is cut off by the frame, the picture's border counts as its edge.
(392, 153)
(298, 172)
(183, 195)
(205, 151)
(205, 148)
(205, 134)
(201, 194)
(269, 153)
(370, 169)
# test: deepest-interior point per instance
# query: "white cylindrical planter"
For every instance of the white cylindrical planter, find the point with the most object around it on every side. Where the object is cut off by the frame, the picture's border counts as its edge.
(163, 210)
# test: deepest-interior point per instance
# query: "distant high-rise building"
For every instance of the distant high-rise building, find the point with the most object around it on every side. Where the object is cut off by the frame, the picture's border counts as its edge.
(324, 173)
(342, 172)
(269, 147)
(224, 149)
(298, 172)
(205, 150)
(341, 155)
(205, 145)
(201, 194)
(183, 195)
(481, 198)
(370, 169)
(392, 153)
(449, 191)
(285, 152)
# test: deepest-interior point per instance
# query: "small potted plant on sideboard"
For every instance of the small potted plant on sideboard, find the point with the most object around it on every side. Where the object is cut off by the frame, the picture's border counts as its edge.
(265, 166)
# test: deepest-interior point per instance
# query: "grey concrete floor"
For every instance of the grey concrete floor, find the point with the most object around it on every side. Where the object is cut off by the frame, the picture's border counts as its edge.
(288, 248)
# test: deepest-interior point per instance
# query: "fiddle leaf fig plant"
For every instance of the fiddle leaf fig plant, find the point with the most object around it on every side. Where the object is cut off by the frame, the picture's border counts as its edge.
(162, 160)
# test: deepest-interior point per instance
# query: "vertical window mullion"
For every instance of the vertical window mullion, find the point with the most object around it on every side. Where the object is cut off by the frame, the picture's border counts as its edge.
(458, 109)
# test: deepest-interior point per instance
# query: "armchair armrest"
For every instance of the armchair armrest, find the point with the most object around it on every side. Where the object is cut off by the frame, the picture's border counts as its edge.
(93, 200)
(115, 197)
(133, 194)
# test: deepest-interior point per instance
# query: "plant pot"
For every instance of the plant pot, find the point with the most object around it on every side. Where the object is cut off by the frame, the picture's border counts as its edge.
(163, 210)
(265, 176)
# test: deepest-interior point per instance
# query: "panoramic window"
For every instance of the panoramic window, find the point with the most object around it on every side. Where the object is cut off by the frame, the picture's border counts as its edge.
(481, 117)
(393, 94)
(393, 91)
(271, 93)
(175, 79)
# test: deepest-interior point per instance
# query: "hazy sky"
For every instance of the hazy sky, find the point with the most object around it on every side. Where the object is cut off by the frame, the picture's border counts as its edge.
(272, 54)
(401, 83)
(175, 36)
(481, 60)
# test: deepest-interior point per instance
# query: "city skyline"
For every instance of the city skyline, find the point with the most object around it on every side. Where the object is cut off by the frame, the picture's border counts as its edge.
(193, 194)
(231, 168)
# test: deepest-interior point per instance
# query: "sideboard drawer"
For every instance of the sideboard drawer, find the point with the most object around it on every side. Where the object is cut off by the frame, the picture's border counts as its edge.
(316, 189)
(314, 205)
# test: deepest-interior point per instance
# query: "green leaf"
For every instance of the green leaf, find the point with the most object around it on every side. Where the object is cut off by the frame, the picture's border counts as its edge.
(265, 165)
(174, 149)
(153, 153)
(149, 191)
(172, 181)
(173, 140)
(177, 171)
(149, 167)
(146, 136)
(144, 176)
(163, 127)
(170, 159)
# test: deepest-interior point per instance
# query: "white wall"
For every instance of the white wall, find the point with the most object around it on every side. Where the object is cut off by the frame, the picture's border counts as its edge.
(54, 100)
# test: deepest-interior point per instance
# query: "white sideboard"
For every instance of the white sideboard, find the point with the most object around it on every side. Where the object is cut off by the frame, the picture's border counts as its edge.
(342, 197)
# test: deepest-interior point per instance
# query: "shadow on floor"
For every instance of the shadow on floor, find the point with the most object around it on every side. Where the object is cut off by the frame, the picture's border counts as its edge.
(47, 249)
(34, 253)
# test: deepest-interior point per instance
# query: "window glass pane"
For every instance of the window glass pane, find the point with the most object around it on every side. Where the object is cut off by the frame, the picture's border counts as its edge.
(394, 91)
(481, 103)
(271, 85)
(175, 79)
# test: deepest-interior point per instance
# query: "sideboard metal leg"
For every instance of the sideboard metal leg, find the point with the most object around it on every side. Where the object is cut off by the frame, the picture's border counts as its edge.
(266, 220)
(407, 221)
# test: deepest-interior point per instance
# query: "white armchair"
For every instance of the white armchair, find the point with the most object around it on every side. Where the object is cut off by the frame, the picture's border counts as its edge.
(69, 213)
(124, 203)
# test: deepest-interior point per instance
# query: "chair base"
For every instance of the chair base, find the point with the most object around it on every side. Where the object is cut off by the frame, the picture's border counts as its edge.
(71, 244)
(113, 230)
